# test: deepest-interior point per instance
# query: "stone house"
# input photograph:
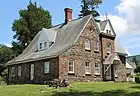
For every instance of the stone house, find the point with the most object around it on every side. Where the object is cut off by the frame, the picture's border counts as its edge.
(77, 50)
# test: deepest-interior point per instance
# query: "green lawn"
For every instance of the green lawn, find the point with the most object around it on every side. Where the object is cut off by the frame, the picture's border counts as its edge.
(76, 89)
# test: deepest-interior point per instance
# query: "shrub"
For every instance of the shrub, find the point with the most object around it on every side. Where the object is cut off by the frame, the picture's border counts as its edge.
(137, 78)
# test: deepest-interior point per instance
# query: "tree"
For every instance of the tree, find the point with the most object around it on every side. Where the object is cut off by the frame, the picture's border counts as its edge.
(89, 7)
(6, 54)
(31, 21)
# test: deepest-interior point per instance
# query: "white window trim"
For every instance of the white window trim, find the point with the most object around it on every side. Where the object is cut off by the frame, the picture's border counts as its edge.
(72, 65)
(88, 67)
(87, 48)
(19, 70)
(97, 68)
(40, 46)
(96, 45)
(108, 51)
(48, 67)
(13, 70)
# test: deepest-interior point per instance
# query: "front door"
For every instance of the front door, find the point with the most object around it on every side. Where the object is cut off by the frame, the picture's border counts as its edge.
(32, 72)
(108, 72)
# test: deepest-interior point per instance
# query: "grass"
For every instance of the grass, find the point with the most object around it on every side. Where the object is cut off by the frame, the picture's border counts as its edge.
(76, 89)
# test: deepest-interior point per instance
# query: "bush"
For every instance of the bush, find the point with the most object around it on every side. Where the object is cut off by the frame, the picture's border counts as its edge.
(137, 78)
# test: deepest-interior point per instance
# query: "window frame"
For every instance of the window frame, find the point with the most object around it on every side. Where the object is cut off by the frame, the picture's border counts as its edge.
(48, 69)
(40, 46)
(19, 70)
(96, 45)
(69, 71)
(87, 45)
(13, 71)
(97, 68)
(87, 67)
(45, 44)
(108, 46)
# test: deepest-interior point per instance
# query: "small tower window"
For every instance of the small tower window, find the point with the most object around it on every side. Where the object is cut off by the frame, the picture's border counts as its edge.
(107, 31)
(45, 44)
(108, 47)
(40, 45)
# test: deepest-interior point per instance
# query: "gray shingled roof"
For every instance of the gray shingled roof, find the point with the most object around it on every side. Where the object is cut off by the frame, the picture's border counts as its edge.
(103, 25)
(66, 36)
(118, 48)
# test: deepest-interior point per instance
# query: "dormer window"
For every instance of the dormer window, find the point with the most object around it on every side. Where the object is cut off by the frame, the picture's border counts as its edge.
(107, 31)
(40, 45)
(45, 44)
(108, 47)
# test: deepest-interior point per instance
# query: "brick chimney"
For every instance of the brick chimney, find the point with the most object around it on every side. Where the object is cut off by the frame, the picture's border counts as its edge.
(68, 15)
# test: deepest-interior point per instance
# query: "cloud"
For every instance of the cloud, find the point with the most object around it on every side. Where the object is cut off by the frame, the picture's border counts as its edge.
(126, 23)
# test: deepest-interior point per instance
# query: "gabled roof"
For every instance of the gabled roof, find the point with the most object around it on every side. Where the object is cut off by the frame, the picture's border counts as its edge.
(111, 58)
(103, 25)
(130, 65)
(67, 34)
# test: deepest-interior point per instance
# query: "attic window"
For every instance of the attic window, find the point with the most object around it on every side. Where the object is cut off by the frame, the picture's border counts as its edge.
(45, 44)
(40, 46)
(107, 31)
(87, 44)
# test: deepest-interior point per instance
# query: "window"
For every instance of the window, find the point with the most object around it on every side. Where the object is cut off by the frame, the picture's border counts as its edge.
(45, 44)
(13, 72)
(87, 44)
(46, 70)
(109, 31)
(108, 46)
(40, 46)
(19, 70)
(97, 69)
(106, 31)
(71, 66)
(96, 45)
(88, 68)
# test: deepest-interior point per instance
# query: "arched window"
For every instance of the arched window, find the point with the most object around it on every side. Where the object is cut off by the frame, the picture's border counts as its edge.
(108, 47)
(71, 66)
(96, 45)
(87, 44)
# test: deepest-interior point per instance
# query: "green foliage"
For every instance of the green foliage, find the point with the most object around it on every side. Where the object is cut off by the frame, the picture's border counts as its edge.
(31, 21)
(6, 54)
(137, 70)
(137, 78)
(89, 7)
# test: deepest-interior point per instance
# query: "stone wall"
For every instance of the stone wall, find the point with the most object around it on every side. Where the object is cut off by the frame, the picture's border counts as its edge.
(80, 56)
(39, 75)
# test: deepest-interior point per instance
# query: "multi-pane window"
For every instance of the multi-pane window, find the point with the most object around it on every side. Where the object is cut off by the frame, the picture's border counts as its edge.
(46, 68)
(40, 46)
(96, 45)
(108, 47)
(87, 44)
(88, 68)
(71, 66)
(19, 70)
(13, 72)
(97, 69)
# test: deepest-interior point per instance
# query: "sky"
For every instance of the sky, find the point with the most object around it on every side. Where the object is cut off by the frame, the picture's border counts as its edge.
(123, 14)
